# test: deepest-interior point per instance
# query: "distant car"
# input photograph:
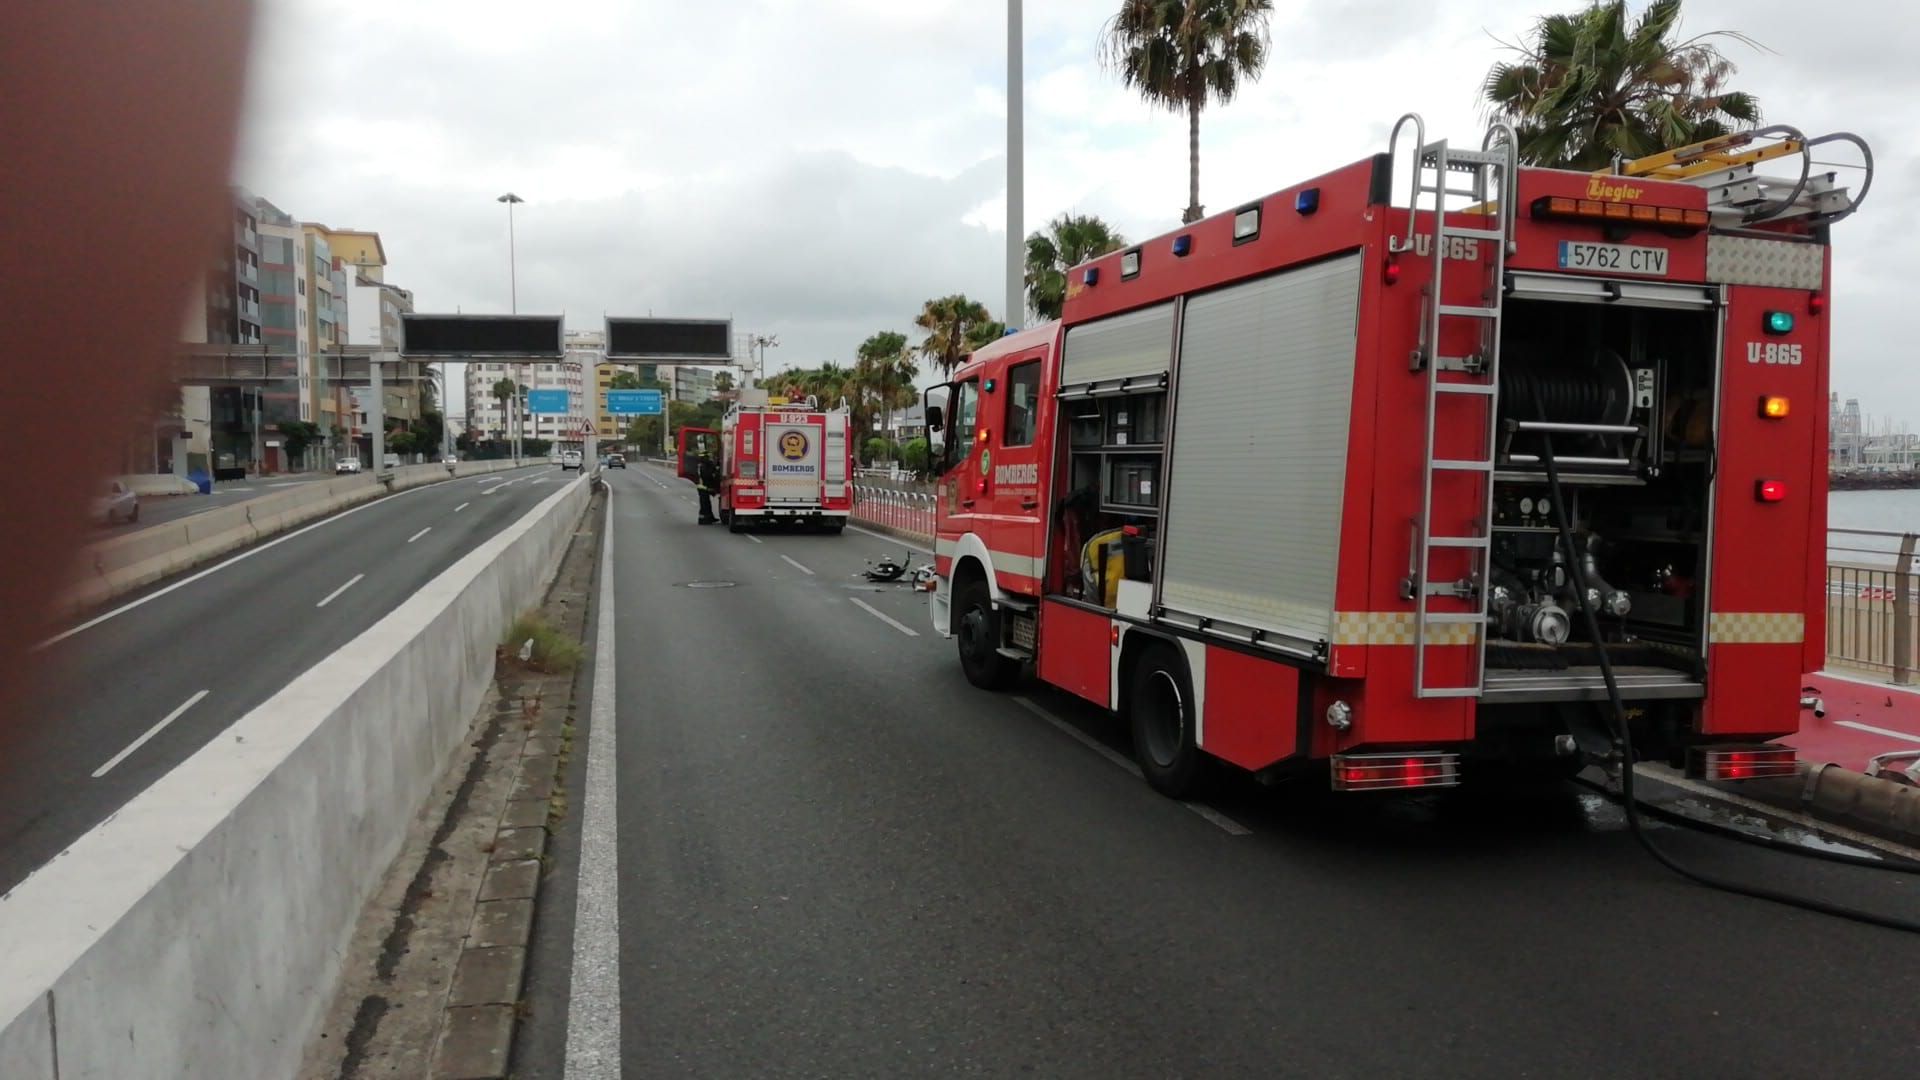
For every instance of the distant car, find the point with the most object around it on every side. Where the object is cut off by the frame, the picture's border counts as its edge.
(115, 502)
(616, 461)
(570, 460)
(346, 465)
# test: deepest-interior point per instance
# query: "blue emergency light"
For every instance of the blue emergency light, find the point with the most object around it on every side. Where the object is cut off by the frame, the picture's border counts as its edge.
(1182, 244)
(1306, 202)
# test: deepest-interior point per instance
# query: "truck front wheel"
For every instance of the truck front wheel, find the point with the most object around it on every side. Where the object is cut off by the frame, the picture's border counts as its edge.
(977, 629)
(1160, 713)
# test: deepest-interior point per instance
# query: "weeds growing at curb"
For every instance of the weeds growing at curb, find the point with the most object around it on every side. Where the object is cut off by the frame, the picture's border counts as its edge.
(553, 651)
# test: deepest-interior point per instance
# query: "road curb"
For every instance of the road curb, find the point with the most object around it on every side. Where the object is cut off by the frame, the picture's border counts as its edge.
(1883, 808)
(482, 1008)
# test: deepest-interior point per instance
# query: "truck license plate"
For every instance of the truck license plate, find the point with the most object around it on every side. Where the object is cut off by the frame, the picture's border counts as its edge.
(1617, 258)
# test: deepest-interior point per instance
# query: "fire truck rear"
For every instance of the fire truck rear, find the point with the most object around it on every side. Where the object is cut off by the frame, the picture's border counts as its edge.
(1373, 474)
(781, 462)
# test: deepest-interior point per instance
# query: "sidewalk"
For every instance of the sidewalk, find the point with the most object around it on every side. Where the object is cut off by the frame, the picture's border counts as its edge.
(1863, 718)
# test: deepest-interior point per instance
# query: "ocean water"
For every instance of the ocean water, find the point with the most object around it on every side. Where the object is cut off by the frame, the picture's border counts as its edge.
(1879, 511)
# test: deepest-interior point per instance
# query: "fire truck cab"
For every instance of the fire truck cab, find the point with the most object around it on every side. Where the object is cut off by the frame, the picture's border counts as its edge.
(1346, 480)
(781, 462)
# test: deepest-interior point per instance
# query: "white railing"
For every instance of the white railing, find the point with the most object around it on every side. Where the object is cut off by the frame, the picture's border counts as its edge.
(905, 513)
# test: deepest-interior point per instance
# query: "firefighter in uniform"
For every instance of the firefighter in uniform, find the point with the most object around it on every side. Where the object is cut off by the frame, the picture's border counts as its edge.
(706, 474)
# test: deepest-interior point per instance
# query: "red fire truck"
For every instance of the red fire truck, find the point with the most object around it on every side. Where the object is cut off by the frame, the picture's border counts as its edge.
(1375, 484)
(781, 461)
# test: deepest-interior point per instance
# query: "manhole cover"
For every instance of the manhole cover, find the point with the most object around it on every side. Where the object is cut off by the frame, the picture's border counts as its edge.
(709, 584)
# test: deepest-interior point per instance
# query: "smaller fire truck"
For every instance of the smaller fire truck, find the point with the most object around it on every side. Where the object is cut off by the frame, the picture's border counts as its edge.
(781, 461)
(1430, 459)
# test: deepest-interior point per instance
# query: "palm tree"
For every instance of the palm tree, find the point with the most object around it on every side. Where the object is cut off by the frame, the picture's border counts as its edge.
(1182, 54)
(884, 371)
(1068, 241)
(503, 392)
(948, 321)
(982, 334)
(722, 382)
(1589, 87)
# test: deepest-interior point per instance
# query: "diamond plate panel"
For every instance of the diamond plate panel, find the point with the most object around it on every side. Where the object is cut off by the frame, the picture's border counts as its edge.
(1744, 260)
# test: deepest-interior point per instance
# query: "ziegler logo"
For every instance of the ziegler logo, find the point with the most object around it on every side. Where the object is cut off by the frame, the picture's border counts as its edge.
(1598, 188)
(793, 446)
(1017, 474)
(1773, 352)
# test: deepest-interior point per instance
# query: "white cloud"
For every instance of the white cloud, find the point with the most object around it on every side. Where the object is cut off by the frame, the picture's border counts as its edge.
(816, 168)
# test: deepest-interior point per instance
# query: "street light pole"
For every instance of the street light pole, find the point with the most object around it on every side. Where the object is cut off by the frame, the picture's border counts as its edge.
(513, 301)
(1016, 309)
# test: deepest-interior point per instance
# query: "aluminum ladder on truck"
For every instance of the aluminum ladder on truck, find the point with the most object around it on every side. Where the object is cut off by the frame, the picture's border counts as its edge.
(1739, 195)
(1471, 381)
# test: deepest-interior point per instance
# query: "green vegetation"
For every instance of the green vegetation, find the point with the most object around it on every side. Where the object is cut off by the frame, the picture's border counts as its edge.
(1182, 55)
(1068, 241)
(1591, 85)
(553, 651)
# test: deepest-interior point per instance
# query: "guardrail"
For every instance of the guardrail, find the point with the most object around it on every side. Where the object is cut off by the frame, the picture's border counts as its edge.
(1872, 622)
(904, 513)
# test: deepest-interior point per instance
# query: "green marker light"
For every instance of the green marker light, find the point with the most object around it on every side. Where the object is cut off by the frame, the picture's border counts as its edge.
(1779, 322)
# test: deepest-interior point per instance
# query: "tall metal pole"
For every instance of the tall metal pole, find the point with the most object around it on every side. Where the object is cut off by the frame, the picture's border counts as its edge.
(1015, 313)
(513, 300)
(378, 392)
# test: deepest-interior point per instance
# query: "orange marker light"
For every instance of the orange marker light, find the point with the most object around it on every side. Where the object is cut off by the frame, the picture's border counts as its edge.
(1773, 408)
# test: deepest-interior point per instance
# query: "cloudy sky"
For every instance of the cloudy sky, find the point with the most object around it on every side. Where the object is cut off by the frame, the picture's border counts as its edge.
(817, 168)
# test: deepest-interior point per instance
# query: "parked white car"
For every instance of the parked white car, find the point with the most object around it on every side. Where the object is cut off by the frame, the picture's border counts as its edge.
(346, 465)
(115, 502)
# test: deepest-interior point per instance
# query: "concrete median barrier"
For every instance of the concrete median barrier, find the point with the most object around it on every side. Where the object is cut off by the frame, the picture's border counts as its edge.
(158, 484)
(122, 564)
(198, 932)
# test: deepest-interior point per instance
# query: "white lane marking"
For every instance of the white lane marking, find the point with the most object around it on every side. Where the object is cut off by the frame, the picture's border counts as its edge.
(419, 534)
(461, 507)
(351, 582)
(1903, 736)
(884, 617)
(797, 566)
(287, 483)
(593, 1004)
(753, 538)
(1079, 736)
(1227, 824)
(891, 539)
(1215, 817)
(151, 732)
(217, 567)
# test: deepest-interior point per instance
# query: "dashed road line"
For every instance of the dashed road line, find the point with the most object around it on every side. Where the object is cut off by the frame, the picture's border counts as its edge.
(797, 566)
(884, 617)
(419, 534)
(151, 732)
(1212, 816)
(461, 507)
(351, 582)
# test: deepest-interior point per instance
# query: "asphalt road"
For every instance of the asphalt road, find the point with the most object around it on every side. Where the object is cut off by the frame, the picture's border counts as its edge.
(211, 645)
(160, 509)
(836, 858)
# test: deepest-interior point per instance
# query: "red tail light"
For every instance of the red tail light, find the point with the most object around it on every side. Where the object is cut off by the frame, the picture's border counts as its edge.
(1395, 771)
(1770, 491)
(1741, 762)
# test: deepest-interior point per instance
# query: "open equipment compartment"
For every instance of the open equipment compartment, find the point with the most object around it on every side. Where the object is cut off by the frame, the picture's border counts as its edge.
(1625, 389)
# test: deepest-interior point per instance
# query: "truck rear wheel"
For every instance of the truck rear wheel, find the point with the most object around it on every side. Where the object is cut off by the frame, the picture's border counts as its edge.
(977, 629)
(1160, 714)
